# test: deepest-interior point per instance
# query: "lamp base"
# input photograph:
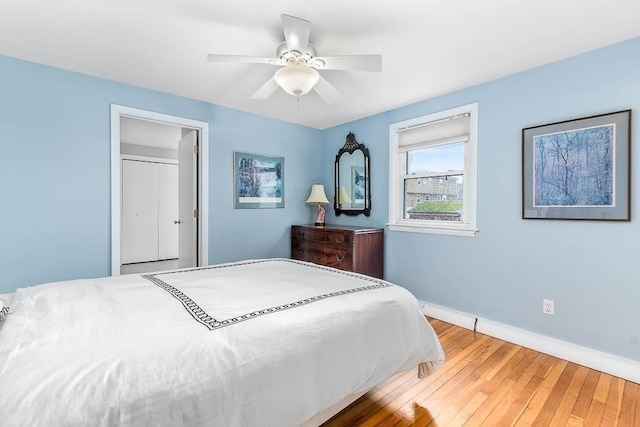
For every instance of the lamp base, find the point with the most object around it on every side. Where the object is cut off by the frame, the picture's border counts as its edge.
(320, 216)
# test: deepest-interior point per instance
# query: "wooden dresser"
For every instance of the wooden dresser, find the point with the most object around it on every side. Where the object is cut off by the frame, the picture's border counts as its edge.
(356, 249)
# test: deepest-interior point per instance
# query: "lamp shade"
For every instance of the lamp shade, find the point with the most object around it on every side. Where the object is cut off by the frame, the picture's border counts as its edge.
(343, 196)
(317, 194)
(296, 79)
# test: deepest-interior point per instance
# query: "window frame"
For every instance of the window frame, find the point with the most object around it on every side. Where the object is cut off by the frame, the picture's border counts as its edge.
(397, 174)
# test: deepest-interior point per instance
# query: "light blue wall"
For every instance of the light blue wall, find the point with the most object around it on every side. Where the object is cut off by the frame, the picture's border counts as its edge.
(589, 268)
(55, 173)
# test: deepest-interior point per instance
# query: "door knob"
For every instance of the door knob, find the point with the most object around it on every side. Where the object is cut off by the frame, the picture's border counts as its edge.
(177, 221)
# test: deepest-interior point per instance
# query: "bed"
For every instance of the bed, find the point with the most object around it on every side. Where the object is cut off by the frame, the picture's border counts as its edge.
(272, 342)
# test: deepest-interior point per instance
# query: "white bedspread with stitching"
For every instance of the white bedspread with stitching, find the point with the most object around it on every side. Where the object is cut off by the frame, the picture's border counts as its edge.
(256, 343)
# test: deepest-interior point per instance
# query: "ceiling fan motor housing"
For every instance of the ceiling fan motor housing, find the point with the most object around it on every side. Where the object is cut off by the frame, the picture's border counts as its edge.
(300, 58)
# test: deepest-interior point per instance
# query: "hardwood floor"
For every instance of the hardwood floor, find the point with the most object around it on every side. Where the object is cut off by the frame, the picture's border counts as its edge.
(489, 382)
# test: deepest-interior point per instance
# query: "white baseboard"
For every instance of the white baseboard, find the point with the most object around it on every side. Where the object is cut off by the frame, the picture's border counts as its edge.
(604, 362)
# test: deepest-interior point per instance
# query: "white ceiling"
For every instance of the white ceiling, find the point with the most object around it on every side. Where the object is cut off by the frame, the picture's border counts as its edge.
(429, 47)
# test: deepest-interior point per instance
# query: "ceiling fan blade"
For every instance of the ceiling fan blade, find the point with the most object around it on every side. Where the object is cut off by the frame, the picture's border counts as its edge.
(326, 91)
(212, 57)
(266, 90)
(349, 62)
(296, 32)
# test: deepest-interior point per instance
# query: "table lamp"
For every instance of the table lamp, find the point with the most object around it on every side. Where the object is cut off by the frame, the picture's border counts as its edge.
(318, 196)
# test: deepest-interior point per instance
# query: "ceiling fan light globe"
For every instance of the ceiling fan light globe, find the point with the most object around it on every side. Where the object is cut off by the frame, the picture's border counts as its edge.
(296, 80)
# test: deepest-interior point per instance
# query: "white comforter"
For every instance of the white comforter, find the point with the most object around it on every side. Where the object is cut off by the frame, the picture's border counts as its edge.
(257, 343)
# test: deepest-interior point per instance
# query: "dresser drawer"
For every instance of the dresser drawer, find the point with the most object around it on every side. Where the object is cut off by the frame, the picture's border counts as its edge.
(339, 239)
(322, 254)
(307, 234)
(321, 235)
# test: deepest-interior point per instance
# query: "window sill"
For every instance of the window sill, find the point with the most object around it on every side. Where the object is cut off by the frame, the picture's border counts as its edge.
(434, 229)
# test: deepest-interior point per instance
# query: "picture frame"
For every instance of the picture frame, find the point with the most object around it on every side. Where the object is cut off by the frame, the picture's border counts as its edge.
(578, 169)
(258, 181)
(357, 185)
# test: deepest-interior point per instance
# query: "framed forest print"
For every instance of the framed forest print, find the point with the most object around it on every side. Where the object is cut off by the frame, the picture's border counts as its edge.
(578, 169)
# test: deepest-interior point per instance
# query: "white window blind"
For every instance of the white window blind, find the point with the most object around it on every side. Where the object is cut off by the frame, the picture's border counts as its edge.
(444, 131)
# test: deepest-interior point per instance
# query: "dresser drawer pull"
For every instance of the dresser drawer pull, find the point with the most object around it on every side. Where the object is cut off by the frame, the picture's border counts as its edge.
(301, 250)
(301, 235)
(339, 258)
(338, 240)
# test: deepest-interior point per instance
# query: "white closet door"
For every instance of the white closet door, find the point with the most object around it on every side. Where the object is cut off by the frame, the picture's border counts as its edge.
(168, 211)
(139, 211)
(188, 200)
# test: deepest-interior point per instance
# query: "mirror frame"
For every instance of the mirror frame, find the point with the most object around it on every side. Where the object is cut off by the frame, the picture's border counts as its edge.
(351, 146)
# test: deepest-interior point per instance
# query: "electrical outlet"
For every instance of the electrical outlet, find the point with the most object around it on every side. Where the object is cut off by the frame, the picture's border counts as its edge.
(547, 306)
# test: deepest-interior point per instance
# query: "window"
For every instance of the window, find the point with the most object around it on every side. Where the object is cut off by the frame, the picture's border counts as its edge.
(438, 151)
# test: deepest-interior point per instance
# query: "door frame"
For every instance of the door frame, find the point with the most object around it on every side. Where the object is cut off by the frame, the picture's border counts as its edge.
(118, 111)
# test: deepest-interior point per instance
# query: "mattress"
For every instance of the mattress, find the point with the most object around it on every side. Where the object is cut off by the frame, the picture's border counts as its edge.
(255, 343)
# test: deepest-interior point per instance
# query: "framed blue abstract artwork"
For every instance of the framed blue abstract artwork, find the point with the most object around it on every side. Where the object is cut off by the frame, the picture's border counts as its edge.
(259, 181)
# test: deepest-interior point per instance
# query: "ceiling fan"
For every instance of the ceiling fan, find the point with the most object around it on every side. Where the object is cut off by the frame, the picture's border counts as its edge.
(299, 64)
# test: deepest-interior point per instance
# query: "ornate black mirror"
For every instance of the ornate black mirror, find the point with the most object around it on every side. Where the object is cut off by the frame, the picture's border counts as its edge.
(352, 184)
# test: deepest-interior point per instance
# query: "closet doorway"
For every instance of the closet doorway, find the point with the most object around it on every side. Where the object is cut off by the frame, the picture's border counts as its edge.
(158, 192)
